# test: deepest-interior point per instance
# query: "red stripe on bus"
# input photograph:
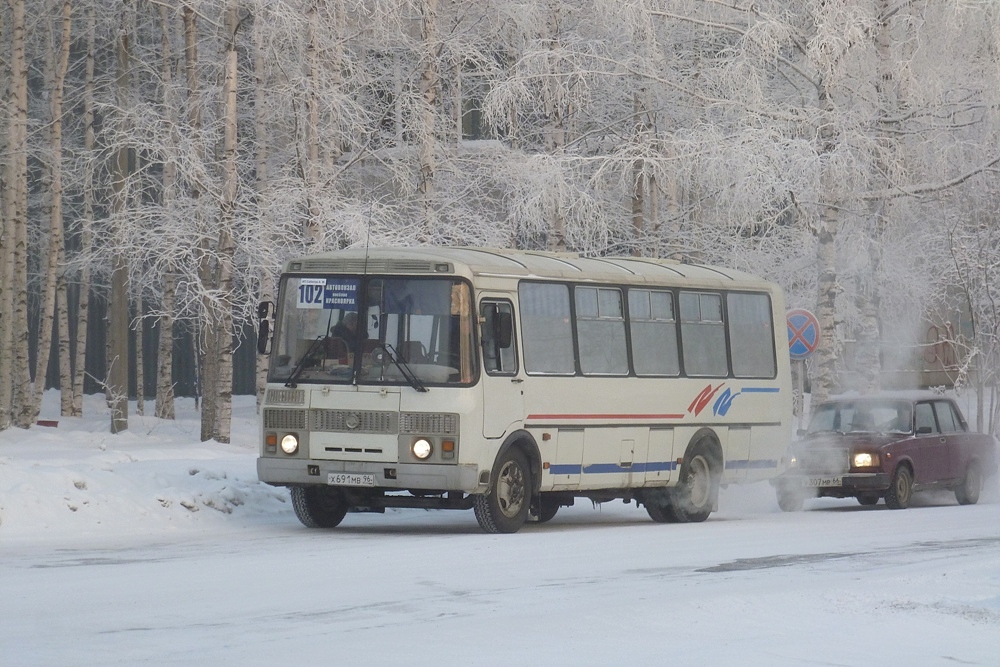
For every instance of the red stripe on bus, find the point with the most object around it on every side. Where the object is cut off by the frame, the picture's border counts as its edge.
(680, 416)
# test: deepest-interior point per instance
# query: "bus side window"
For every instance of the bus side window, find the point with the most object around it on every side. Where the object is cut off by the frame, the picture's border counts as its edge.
(499, 353)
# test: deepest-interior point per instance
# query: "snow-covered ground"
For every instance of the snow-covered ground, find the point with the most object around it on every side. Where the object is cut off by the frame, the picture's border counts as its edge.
(150, 547)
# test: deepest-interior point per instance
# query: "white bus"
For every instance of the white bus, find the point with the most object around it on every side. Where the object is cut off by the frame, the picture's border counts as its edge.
(513, 382)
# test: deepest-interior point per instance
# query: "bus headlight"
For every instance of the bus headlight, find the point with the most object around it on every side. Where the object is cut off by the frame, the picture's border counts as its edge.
(421, 448)
(290, 443)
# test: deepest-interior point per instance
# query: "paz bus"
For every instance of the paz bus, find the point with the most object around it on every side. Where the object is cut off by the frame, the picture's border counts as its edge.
(514, 382)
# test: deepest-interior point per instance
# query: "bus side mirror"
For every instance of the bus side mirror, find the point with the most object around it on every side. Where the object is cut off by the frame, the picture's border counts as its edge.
(505, 330)
(263, 309)
(263, 334)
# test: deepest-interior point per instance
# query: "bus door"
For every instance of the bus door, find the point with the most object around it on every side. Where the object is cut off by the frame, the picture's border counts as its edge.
(503, 396)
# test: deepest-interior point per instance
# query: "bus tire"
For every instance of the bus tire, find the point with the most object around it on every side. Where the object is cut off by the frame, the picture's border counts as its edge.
(318, 506)
(693, 498)
(661, 510)
(504, 508)
(790, 501)
(547, 508)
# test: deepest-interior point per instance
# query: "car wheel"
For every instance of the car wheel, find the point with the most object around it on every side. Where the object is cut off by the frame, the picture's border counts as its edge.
(693, 497)
(504, 509)
(868, 499)
(318, 506)
(967, 493)
(900, 490)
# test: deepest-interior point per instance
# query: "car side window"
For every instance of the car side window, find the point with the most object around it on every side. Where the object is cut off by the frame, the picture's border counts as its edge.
(946, 417)
(925, 418)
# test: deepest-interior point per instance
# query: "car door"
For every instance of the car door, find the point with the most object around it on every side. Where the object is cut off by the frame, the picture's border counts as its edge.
(951, 449)
(926, 444)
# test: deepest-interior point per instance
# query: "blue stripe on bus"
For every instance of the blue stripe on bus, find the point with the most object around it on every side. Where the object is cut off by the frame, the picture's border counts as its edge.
(599, 468)
(652, 466)
(760, 390)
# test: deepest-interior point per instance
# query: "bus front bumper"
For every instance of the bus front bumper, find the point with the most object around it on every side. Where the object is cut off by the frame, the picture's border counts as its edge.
(385, 476)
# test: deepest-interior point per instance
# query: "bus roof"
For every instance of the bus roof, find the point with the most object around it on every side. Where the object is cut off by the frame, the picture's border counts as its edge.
(518, 264)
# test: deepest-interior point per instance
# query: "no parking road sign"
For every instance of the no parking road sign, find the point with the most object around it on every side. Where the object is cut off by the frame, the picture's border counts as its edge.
(803, 333)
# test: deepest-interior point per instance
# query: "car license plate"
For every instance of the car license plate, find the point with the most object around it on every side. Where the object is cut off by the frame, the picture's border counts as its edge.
(350, 479)
(820, 482)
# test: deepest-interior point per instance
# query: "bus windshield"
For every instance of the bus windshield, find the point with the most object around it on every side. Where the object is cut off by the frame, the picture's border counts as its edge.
(374, 330)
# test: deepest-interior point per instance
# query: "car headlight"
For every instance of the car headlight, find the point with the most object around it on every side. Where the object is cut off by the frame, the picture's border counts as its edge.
(290, 443)
(865, 460)
(421, 448)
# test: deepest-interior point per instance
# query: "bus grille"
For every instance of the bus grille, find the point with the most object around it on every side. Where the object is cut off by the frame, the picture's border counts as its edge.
(366, 421)
(279, 418)
(428, 423)
(285, 396)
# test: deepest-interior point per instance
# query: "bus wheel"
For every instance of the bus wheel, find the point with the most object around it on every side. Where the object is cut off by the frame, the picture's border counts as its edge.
(790, 501)
(504, 509)
(318, 506)
(547, 508)
(660, 509)
(692, 497)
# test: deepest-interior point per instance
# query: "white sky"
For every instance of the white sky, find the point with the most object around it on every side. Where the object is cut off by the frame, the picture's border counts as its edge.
(150, 547)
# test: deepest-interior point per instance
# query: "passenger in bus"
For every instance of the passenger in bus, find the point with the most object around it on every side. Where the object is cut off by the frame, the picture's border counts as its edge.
(346, 329)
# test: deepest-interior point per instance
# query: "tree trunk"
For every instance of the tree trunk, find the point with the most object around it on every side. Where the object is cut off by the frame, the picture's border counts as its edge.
(260, 127)
(87, 222)
(430, 84)
(18, 208)
(140, 375)
(164, 406)
(311, 229)
(117, 381)
(6, 256)
(555, 131)
(59, 59)
(227, 216)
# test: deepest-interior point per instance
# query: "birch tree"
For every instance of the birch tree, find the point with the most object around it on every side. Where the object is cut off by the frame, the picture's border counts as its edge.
(17, 222)
(117, 382)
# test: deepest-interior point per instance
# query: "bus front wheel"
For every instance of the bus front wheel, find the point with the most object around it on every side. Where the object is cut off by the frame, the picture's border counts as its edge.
(318, 506)
(504, 509)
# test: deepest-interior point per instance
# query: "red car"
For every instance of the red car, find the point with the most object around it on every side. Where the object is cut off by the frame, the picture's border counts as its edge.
(889, 446)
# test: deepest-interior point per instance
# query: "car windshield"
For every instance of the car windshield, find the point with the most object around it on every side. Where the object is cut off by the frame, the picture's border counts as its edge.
(374, 330)
(863, 416)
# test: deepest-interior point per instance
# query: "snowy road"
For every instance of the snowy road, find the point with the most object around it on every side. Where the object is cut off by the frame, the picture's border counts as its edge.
(152, 548)
(836, 585)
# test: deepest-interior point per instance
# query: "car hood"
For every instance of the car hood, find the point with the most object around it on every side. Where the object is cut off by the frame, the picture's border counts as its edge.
(829, 453)
(847, 440)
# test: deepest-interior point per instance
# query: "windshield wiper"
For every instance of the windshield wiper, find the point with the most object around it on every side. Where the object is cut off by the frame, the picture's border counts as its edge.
(403, 367)
(299, 367)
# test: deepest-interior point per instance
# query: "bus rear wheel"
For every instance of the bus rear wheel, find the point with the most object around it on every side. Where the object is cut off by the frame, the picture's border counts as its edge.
(504, 509)
(693, 498)
(319, 506)
(661, 509)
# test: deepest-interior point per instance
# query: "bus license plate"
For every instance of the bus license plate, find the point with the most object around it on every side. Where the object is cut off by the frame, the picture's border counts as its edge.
(350, 479)
(822, 482)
